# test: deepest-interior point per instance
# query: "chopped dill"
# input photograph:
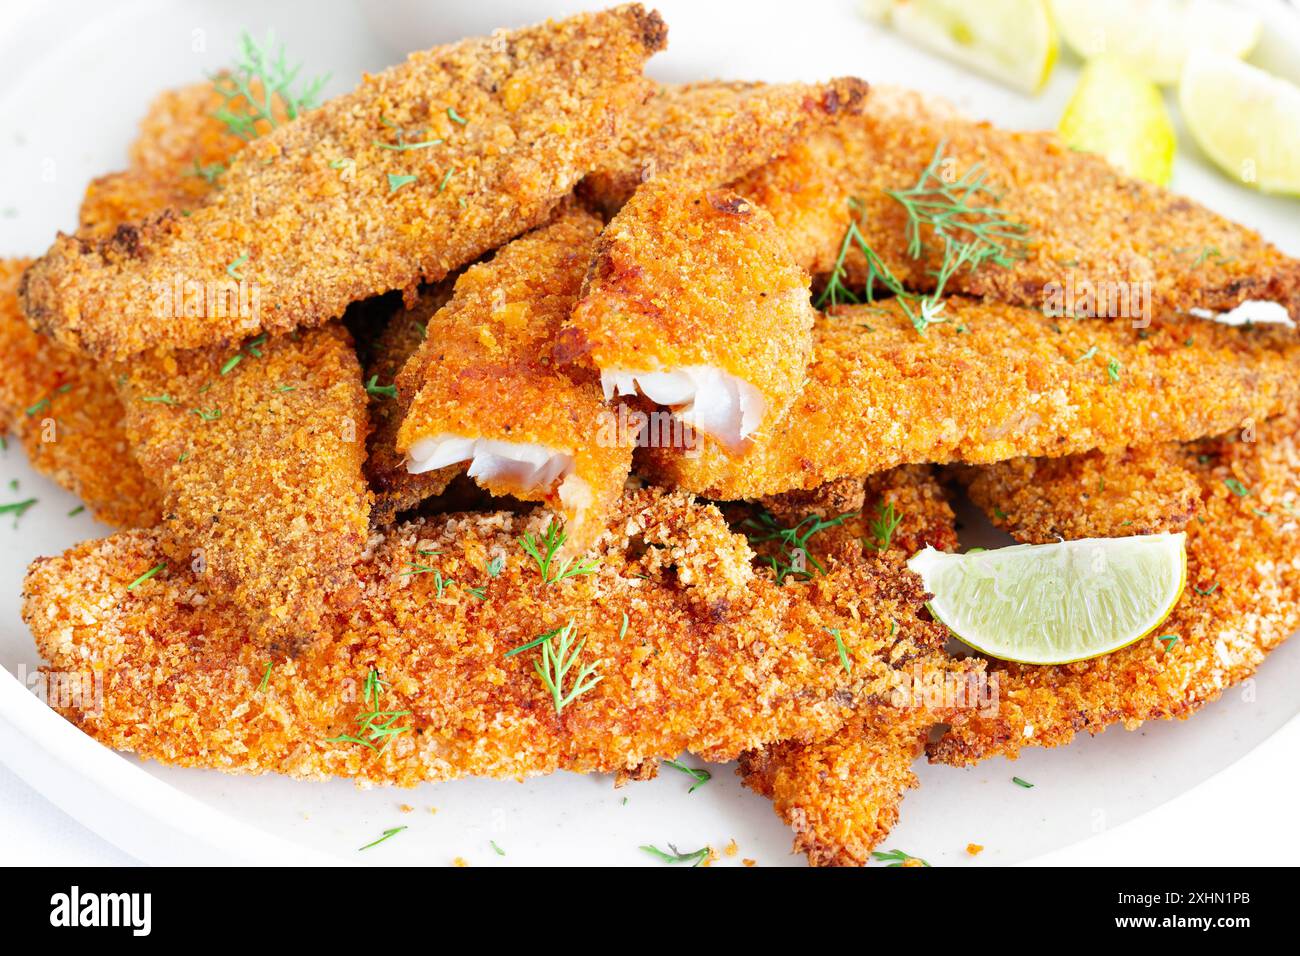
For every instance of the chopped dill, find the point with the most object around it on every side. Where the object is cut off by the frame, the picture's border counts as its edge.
(259, 86)
(232, 270)
(375, 724)
(552, 571)
(207, 414)
(230, 363)
(794, 558)
(495, 565)
(18, 509)
(1169, 640)
(1206, 592)
(145, 577)
(396, 182)
(209, 173)
(559, 656)
(883, 527)
(266, 676)
(839, 646)
(1237, 488)
(896, 857)
(1022, 783)
(700, 776)
(694, 858)
(374, 388)
(455, 117)
(388, 834)
(160, 399)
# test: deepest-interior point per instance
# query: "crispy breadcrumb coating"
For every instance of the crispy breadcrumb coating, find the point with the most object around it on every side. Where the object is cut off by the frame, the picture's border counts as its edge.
(66, 414)
(708, 134)
(395, 488)
(714, 658)
(181, 149)
(1242, 597)
(324, 211)
(1085, 220)
(994, 382)
(699, 279)
(489, 373)
(259, 452)
(841, 795)
(1143, 490)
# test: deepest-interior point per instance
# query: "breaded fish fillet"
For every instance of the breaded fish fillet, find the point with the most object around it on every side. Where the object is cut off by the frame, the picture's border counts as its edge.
(395, 488)
(181, 149)
(486, 387)
(841, 795)
(708, 134)
(347, 202)
(66, 414)
(1242, 597)
(694, 302)
(259, 452)
(690, 649)
(1085, 220)
(994, 382)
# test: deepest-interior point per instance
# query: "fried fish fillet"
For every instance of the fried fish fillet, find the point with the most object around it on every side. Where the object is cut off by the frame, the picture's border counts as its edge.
(346, 202)
(692, 300)
(181, 148)
(1083, 219)
(841, 795)
(395, 488)
(486, 388)
(994, 382)
(66, 414)
(691, 650)
(259, 452)
(1242, 598)
(708, 134)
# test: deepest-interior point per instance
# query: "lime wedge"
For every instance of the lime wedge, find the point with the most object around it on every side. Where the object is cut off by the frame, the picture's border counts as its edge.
(1119, 113)
(1013, 41)
(1056, 603)
(1155, 36)
(1244, 119)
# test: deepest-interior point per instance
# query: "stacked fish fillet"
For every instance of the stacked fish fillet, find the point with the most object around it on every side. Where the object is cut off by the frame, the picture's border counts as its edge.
(512, 414)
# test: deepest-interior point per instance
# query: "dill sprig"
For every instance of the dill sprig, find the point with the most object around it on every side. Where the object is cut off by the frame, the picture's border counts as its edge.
(545, 551)
(385, 391)
(694, 858)
(388, 834)
(376, 724)
(896, 857)
(258, 91)
(18, 508)
(699, 775)
(884, 525)
(839, 646)
(559, 656)
(794, 558)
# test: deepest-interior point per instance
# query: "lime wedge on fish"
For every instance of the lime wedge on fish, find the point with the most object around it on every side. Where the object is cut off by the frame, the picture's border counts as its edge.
(1056, 603)
(1012, 41)
(1119, 113)
(1156, 36)
(1247, 121)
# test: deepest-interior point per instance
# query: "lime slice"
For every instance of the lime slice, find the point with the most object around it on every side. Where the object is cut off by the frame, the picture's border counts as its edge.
(1012, 41)
(1056, 603)
(1119, 113)
(1155, 36)
(1244, 119)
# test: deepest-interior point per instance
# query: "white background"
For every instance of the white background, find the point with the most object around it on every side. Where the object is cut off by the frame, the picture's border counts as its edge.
(74, 78)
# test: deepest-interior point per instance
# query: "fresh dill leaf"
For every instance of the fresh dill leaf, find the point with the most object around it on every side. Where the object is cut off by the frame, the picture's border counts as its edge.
(160, 399)
(1085, 356)
(559, 656)
(883, 527)
(402, 147)
(539, 639)
(896, 857)
(258, 93)
(39, 407)
(229, 365)
(1022, 783)
(232, 270)
(396, 182)
(145, 577)
(694, 858)
(18, 508)
(76, 511)
(1237, 488)
(1169, 640)
(544, 555)
(839, 645)
(1206, 592)
(700, 776)
(1113, 369)
(374, 388)
(455, 117)
(495, 565)
(376, 724)
(794, 557)
(207, 414)
(496, 849)
(266, 676)
(446, 179)
(388, 834)
(209, 173)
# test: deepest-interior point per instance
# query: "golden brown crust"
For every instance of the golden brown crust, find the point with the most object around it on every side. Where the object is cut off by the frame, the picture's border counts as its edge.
(707, 134)
(65, 412)
(697, 277)
(261, 466)
(489, 370)
(714, 659)
(994, 382)
(1242, 600)
(1092, 495)
(313, 215)
(1084, 218)
(179, 142)
(395, 488)
(841, 795)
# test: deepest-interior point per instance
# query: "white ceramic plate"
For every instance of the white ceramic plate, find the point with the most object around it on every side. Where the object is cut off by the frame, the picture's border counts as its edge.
(73, 82)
